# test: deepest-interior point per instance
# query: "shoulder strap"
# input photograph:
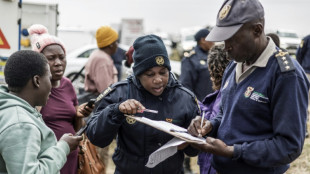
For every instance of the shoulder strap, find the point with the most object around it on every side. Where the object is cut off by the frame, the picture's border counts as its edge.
(189, 54)
(284, 60)
(110, 89)
(193, 96)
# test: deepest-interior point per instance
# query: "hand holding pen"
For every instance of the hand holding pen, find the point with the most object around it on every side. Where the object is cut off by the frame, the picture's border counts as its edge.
(201, 122)
(147, 110)
(132, 106)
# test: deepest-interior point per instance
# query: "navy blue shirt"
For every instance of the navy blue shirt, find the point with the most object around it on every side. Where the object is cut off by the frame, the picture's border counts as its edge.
(118, 57)
(263, 117)
(195, 74)
(136, 141)
(303, 54)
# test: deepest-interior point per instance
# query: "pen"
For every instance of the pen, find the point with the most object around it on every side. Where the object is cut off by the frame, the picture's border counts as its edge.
(147, 110)
(181, 131)
(201, 123)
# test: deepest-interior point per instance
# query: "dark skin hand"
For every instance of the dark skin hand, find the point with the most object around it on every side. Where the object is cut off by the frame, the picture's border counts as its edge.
(84, 111)
(196, 129)
(131, 107)
(73, 141)
(213, 145)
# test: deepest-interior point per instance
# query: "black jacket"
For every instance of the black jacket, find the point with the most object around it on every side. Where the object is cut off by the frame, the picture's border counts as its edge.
(136, 141)
(195, 74)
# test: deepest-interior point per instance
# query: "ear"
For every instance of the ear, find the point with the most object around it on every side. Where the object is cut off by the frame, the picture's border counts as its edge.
(36, 81)
(258, 29)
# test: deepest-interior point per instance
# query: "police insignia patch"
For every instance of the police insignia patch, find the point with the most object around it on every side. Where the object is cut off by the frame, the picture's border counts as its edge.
(130, 120)
(248, 91)
(169, 120)
(224, 12)
(160, 60)
(302, 44)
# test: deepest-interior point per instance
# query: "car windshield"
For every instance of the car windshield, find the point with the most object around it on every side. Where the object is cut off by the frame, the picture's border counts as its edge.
(86, 53)
(287, 34)
(189, 38)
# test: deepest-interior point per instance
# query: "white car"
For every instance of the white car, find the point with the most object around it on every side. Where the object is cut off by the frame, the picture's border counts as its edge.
(289, 40)
(77, 59)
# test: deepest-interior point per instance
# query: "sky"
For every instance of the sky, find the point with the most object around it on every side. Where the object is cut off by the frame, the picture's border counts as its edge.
(172, 15)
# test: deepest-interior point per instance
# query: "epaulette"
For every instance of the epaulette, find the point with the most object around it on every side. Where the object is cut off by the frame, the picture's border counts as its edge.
(285, 61)
(189, 54)
(193, 96)
(110, 89)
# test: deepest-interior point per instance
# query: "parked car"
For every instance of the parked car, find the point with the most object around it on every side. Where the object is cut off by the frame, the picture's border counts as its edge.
(77, 59)
(289, 40)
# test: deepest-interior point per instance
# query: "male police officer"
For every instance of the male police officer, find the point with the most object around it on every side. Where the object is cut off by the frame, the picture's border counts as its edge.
(303, 57)
(261, 124)
(194, 69)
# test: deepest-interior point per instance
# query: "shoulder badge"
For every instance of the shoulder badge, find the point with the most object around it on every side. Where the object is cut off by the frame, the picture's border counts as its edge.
(285, 61)
(301, 44)
(110, 89)
(189, 54)
(193, 96)
(202, 62)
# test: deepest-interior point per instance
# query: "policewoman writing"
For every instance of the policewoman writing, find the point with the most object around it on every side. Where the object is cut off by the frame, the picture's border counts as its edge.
(151, 87)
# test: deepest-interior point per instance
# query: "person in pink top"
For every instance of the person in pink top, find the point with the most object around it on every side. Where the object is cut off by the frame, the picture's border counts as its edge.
(100, 71)
(62, 112)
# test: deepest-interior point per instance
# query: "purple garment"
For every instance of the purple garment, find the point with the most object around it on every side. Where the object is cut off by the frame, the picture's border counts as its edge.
(210, 105)
(58, 114)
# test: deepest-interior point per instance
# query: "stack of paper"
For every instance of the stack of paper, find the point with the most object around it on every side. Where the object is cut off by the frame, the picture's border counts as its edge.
(171, 147)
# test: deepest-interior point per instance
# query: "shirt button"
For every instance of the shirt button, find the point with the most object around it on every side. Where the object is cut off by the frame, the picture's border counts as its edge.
(159, 144)
(160, 98)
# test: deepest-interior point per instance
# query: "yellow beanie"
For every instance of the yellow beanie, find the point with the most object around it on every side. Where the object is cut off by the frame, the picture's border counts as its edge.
(105, 35)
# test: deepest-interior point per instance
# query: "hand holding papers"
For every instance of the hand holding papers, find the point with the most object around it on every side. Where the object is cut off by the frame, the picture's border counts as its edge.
(164, 126)
(171, 147)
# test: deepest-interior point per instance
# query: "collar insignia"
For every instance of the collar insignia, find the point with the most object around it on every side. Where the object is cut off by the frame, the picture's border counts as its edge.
(169, 120)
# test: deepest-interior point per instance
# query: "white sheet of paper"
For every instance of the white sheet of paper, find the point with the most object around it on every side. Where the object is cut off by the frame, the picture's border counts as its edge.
(166, 151)
(166, 127)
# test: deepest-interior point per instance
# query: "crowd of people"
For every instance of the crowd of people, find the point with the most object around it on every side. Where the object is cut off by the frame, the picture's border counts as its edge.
(237, 89)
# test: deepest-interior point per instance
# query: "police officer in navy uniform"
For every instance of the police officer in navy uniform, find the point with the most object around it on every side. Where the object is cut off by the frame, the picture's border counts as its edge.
(194, 69)
(153, 87)
(303, 57)
(261, 125)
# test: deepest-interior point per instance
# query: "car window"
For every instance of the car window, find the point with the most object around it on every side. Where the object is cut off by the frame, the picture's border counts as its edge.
(86, 54)
(287, 34)
(189, 38)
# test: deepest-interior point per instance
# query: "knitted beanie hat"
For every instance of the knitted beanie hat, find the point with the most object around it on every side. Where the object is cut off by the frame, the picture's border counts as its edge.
(40, 38)
(149, 51)
(105, 36)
